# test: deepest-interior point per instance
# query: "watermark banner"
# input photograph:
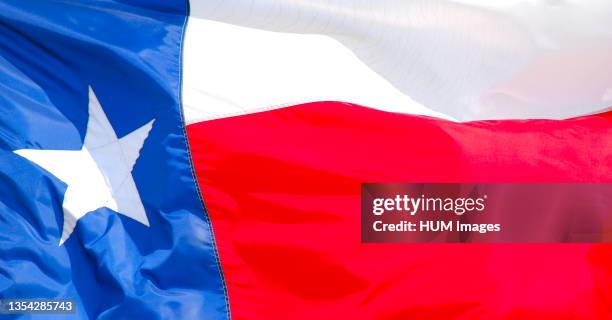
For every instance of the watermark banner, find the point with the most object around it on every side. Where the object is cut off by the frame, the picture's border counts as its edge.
(486, 212)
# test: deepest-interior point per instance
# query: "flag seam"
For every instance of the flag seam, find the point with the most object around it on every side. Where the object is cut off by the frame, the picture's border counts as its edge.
(191, 164)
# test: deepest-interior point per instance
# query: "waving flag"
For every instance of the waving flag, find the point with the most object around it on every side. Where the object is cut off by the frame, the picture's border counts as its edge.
(131, 129)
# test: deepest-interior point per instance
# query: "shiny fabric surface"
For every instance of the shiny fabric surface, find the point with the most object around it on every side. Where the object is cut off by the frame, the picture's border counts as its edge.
(113, 267)
(468, 59)
(283, 188)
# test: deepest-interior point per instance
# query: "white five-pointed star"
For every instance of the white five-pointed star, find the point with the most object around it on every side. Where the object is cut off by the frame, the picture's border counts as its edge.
(100, 174)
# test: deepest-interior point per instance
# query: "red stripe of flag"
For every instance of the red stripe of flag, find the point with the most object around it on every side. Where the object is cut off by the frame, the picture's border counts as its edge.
(283, 188)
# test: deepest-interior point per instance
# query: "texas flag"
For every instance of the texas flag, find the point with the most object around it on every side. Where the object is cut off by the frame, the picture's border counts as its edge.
(205, 159)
